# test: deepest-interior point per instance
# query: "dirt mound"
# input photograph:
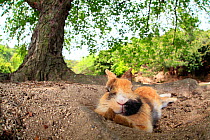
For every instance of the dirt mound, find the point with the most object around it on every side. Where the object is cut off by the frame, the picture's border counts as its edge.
(64, 110)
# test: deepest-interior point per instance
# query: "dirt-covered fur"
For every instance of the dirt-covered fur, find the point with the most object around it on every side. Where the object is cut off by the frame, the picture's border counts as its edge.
(139, 109)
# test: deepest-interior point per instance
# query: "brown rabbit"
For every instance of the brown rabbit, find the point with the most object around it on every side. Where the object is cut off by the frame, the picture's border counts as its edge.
(138, 109)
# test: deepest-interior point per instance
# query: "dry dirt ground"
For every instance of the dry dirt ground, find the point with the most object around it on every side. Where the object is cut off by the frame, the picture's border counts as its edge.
(64, 111)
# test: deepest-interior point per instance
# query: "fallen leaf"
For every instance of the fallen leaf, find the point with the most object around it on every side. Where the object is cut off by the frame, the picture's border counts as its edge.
(45, 126)
(30, 114)
(36, 138)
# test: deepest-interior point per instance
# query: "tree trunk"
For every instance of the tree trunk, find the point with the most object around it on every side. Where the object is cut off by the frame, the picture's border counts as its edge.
(44, 60)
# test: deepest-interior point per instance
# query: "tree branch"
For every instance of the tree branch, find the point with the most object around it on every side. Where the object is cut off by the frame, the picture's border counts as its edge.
(148, 17)
(35, 4)
(176, 18)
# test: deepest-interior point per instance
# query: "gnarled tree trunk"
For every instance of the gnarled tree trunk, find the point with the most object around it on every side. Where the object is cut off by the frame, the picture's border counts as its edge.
(44, 60)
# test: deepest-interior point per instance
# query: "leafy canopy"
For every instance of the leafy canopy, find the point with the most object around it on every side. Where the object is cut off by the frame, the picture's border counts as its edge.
(103, 23)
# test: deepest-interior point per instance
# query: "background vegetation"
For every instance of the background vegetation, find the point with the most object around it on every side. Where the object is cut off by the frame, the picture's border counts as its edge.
(184, 52)
(182, 47)
(181, 51)
(11, 58)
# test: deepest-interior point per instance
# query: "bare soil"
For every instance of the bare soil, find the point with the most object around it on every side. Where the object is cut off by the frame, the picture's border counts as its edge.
(64, 111)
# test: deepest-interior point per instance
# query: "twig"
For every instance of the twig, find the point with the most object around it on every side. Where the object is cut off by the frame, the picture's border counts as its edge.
(148, 15)
(176, 18)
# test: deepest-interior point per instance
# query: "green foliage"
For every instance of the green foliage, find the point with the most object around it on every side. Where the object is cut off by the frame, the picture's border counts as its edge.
(93, 20)
(103, 61)
(85, 66)
(109, 23)
(5, 67)
(166, 51)
(21, 51)
(154, 54)
(10, 59)
(21, 18)
(120, 67)
(5, 52)
(15, 61)
(5, 55)
(71, 63)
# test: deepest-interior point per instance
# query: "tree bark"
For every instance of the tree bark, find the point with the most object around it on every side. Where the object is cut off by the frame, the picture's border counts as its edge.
(44, 60)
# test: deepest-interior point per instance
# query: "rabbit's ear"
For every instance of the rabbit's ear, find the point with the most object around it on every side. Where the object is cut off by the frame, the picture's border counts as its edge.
(110, 74)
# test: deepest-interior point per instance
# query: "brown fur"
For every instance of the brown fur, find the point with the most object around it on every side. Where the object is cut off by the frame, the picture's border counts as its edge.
(112, 103)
